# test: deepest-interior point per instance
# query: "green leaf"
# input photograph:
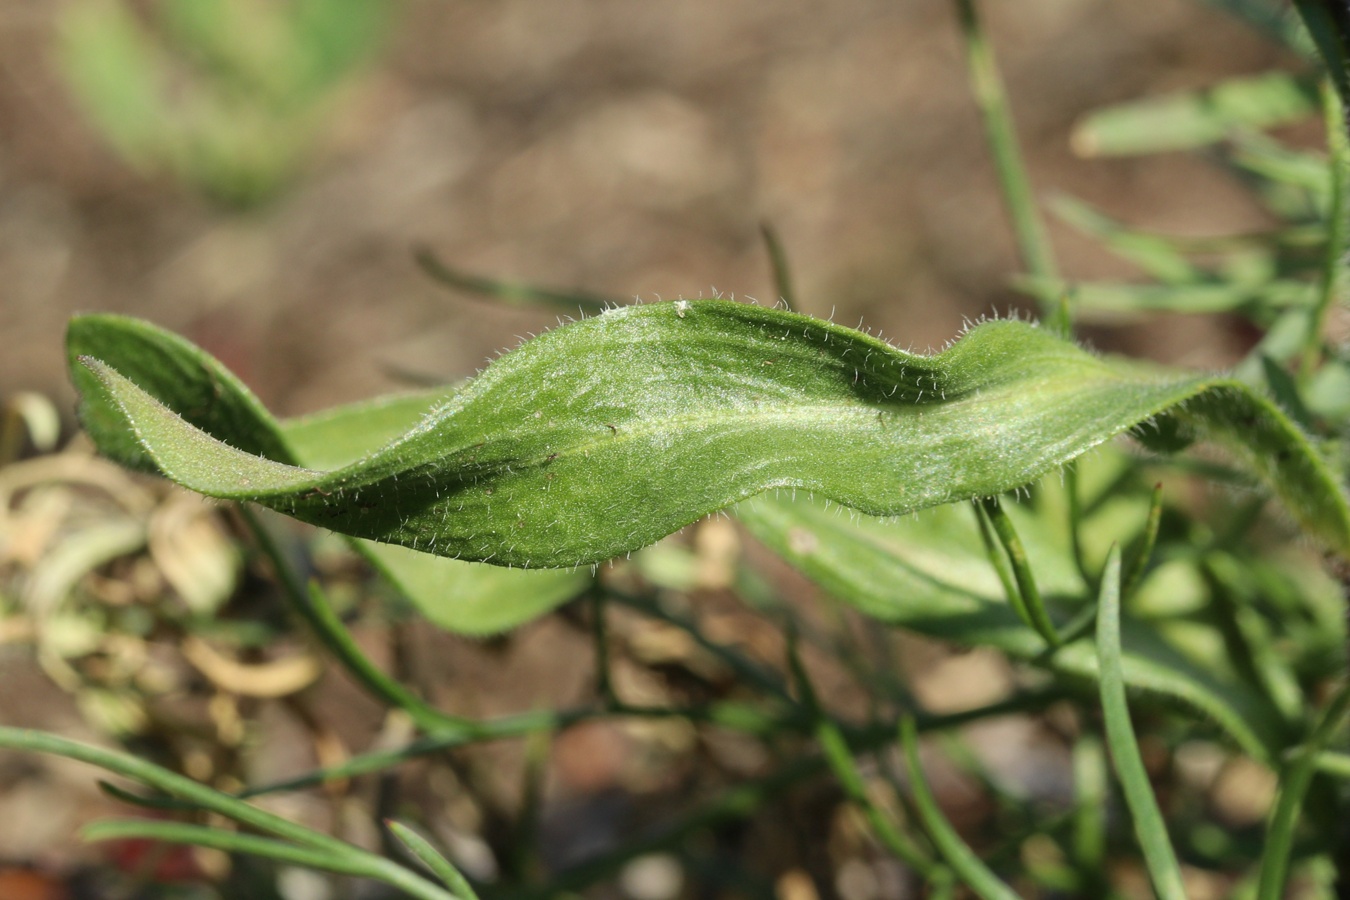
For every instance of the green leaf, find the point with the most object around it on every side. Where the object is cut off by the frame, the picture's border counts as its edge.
(473, 598)
(1149, 825)
(929, 574)
(464, 597)
(1194, 119)
(467, 598)
(438, 864)
(1116, 298)
(605, 435)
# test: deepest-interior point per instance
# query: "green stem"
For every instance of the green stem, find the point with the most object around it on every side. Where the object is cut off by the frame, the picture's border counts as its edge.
(750, 797)
(888, 834)
(987, 84)
(1333, 258)
(968, 867)
(782, 275)
(604, 682)
(1139, 564)
(327, 627)
(1032, 607)
(1294, 787)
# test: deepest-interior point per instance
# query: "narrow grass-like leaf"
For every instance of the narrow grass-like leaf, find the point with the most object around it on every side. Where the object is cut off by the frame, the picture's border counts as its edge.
(603, 436)
(173, 784)
(1158, 256)
(1097, 297)
(1149, 825)
(963, 861)
(778, 261)
(438, 864)
(512, 293)
(1184, 121)
(352, 861)
(1293, 788)
(1033, 245)
(1144, 555)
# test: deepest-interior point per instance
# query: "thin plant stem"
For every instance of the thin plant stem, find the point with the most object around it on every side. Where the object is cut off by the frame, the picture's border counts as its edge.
(1333, 258)
(1032, 606)
(1298, 775)
(990, 95)
(510, 293)
(313, 607)
(1000, 563)
(1074, 490)
(604, 682)
(887, 832)
(1139, 565)
(1149, 825)
(782, 274)
(968, 867)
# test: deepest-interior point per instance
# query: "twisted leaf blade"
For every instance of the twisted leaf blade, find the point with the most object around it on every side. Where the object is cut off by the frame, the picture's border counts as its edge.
(605, 435)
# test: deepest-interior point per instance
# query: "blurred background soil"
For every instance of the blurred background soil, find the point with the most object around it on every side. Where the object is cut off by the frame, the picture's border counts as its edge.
(626, 148)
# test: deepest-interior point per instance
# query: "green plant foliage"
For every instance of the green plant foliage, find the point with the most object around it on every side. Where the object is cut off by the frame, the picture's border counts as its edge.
(551, 459)
(469, 598)
(1184, 121)
(929, 574)
(226, 96)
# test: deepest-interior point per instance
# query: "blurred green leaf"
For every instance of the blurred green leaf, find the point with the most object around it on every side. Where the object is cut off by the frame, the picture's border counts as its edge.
(1187, 120)
(1156, 255)
(227, 96)
(929, 574)
(1119, 298)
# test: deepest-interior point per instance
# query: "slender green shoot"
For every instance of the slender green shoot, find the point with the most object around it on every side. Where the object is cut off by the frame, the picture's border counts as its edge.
(432, 858)
(1000, 563)
(1032, 244)
(604, 682)
(887, 832)
(1338, 230)
(1032, 606)
(839, 756)
(968, 867)
(1089, 816)
(509, 292)
(1139, 565)
(1149, 825)
(1074, 491)
(352, 861)
(782, 275)
(172, 784)
(313, 607)
(1298, 775)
